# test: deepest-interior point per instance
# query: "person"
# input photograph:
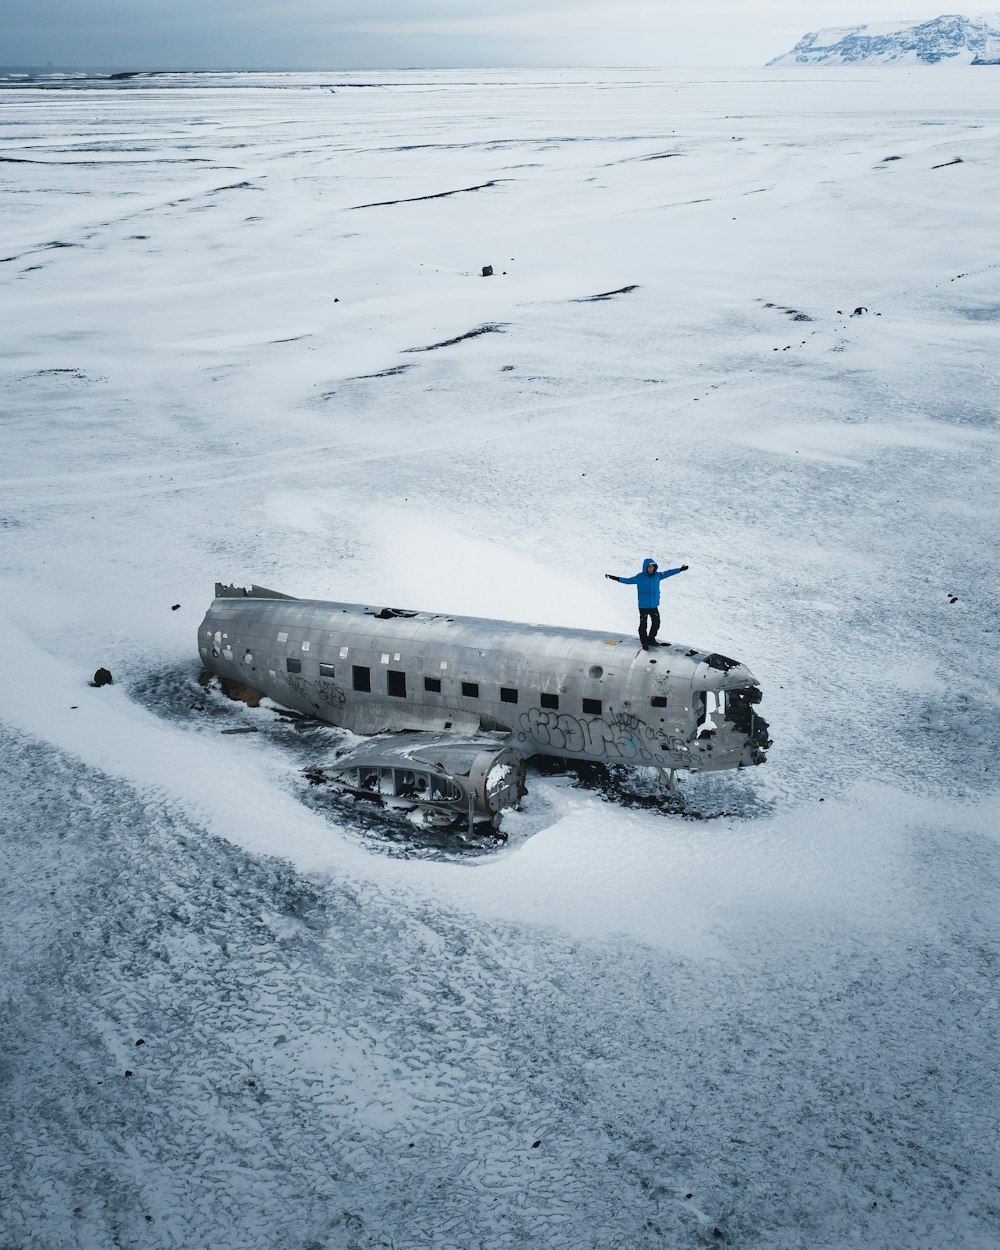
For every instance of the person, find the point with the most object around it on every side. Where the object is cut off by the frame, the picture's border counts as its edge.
(647, 582)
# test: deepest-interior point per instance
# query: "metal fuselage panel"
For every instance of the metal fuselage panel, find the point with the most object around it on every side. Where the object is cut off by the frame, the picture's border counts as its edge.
(578, 694)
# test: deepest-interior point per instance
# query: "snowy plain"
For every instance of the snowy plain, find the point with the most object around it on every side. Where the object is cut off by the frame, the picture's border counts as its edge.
(231, 1017)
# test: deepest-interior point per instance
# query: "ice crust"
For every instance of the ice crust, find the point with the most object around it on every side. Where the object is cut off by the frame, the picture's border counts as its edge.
(779, 1024)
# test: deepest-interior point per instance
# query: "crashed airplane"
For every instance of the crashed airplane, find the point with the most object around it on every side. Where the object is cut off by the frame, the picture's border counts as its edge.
(467, 700)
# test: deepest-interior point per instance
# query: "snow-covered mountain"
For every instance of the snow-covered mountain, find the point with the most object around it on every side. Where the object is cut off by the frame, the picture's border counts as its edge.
(953, 38)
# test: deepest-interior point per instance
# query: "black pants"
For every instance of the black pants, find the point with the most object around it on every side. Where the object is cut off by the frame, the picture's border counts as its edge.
(649, 624)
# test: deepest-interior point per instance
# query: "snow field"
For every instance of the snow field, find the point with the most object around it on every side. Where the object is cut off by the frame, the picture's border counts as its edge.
(230, 370)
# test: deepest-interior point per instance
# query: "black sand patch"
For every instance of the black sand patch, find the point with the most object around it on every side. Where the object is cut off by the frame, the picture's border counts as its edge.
(794, 313)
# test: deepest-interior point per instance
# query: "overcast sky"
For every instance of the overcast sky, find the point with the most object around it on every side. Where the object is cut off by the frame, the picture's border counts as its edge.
(364, 34)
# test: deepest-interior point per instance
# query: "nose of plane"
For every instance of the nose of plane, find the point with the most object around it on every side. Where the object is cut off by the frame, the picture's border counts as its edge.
(738, 678)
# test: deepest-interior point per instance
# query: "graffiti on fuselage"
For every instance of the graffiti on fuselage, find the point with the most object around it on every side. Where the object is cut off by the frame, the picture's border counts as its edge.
(327, 692)
(299, 684)
(624, 737)
(332, 695)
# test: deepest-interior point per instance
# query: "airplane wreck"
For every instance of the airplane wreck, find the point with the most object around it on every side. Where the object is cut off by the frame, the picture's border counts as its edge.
(457, 704)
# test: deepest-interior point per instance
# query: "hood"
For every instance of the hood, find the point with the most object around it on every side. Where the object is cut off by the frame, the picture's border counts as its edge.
(647, 560)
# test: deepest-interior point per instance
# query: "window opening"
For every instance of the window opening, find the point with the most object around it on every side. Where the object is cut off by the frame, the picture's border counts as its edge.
(395, 684)
(470, 689)
(362, 678)
(433, 684)
(592, 707)
(710, 705)
(551, 700)
(293, 666)
(327, 670)
(508, 694)
(658, 700)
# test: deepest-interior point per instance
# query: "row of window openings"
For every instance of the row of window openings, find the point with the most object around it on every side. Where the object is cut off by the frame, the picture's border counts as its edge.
(396, 687)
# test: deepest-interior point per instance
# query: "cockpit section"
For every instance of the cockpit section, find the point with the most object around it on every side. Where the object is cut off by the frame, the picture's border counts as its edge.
(729, 731)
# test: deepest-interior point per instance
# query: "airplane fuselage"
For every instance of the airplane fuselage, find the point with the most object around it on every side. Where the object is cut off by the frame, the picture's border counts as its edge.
(576, 694)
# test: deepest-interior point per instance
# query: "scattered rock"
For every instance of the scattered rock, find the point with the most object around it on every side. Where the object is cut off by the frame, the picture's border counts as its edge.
(174, 607)
(102, 678)
(128, 1072)
(535, 1145)
(716, 1232)
(140, 1042)
(953, 598)
(859, 311)
(243, 729)
(487, 271)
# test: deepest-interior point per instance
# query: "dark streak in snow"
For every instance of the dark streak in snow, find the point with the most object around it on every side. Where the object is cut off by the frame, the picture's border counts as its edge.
(438, 195)
(157, 160)
(44, 247)
(489, 328)
(622, 290)
(390, 372)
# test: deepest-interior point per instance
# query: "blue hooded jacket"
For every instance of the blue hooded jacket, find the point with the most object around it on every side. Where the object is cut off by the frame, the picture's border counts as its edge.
(648, 584)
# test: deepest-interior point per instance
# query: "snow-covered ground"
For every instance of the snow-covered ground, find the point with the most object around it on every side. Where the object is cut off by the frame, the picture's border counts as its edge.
(233, 1016)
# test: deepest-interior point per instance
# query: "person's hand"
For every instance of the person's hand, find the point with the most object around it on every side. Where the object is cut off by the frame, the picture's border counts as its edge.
(611, 577)
(684, 568)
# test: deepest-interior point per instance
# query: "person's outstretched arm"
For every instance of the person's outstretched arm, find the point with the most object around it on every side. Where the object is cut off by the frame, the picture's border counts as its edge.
(672, 572)
(625, 581)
